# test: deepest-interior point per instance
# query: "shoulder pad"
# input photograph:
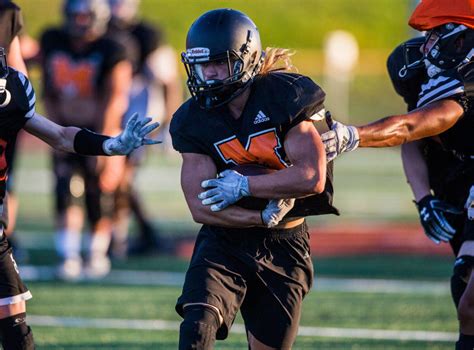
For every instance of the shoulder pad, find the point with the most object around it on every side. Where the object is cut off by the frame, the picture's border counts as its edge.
(406, 82)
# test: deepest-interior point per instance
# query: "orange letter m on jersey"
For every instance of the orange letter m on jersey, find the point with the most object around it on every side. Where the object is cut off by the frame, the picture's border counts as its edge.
(261, 148)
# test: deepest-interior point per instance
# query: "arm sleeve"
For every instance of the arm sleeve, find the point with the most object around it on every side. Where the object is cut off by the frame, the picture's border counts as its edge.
(25, 95)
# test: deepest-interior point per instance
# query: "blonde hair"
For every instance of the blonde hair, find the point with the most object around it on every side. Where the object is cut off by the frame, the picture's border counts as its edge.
(277, 59)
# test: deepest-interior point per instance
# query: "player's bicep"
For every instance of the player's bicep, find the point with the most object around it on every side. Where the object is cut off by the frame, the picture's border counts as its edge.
(434, 119)
(195, 168)
(304, 147)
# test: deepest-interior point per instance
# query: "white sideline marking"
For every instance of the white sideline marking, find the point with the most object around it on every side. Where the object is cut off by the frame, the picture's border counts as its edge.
(161, 325)
(163, 278)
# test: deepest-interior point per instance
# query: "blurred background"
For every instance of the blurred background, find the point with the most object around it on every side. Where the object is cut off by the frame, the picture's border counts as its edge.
(377, 241)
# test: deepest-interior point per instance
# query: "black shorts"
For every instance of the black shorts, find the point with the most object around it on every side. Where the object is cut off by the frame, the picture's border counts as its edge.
(97, 203)
(263, 272)
(12, 289)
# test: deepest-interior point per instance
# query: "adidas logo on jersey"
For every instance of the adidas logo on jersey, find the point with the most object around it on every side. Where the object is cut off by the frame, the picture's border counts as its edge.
(260, 118)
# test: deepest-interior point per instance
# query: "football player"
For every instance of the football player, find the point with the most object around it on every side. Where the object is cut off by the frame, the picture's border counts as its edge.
(17, 111)
(86, 82)
(11, 24)
(156, 90)
(443, 112)
(429, 167)
(246, 108)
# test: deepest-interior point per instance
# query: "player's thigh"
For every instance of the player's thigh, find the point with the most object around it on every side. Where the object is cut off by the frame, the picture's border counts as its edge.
(213, 278)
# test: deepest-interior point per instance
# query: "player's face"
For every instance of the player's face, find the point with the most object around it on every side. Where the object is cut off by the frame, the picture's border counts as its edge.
(432, 40)
(213, 70)
(81, 22)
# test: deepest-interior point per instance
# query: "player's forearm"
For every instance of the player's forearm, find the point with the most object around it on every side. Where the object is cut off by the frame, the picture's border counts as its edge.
(292, 182)
(386, 132)
(416, 169)
(232, 216)
(421, 123)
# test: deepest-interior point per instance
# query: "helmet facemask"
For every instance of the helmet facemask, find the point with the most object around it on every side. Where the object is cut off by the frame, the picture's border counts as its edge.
(413, 57)
(447, 47)
(213, 93)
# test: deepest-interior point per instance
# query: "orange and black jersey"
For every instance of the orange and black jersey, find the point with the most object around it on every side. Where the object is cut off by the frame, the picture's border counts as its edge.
(277, 102)
(17, 105)
(77, 74)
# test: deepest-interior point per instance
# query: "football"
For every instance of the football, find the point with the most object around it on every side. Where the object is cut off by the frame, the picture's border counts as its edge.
(252, 170)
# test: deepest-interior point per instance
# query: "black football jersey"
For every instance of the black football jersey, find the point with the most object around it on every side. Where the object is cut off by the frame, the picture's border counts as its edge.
(77, 74)
(11, 23)
(149, 39)
(17, 105)
(452, 84)
(277, 102)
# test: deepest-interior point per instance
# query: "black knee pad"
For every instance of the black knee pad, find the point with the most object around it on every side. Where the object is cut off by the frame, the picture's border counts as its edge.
(459, 279)
(15, 333)
(199, 327)
(463, 266)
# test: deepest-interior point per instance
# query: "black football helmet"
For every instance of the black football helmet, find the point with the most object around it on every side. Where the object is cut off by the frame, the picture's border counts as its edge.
(86, 17)
(222, 35)
(449, 45)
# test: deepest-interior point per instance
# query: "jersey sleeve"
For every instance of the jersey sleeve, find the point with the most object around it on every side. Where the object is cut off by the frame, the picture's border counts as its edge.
(182, 136)
(308, 100)
(25, 95)
(301, 99)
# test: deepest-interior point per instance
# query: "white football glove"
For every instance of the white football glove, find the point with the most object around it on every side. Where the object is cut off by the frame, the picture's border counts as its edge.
(470, 204)
(341, 138)
(132, 137)
(275, 210)
(227, 189)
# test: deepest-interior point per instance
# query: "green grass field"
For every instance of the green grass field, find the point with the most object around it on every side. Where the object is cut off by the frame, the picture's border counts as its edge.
(110, 304)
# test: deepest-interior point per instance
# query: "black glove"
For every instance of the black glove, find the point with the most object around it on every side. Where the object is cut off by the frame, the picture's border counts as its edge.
(433, 220)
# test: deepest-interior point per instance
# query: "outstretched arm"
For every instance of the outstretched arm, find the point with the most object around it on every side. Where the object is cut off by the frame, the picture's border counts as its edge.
(82, 141)
(394, 130)
(424, 122)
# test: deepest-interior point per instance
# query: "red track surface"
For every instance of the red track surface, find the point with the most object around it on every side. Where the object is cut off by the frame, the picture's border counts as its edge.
(361, 239)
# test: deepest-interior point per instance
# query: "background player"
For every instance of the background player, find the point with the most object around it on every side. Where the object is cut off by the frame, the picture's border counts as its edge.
(86, 82)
